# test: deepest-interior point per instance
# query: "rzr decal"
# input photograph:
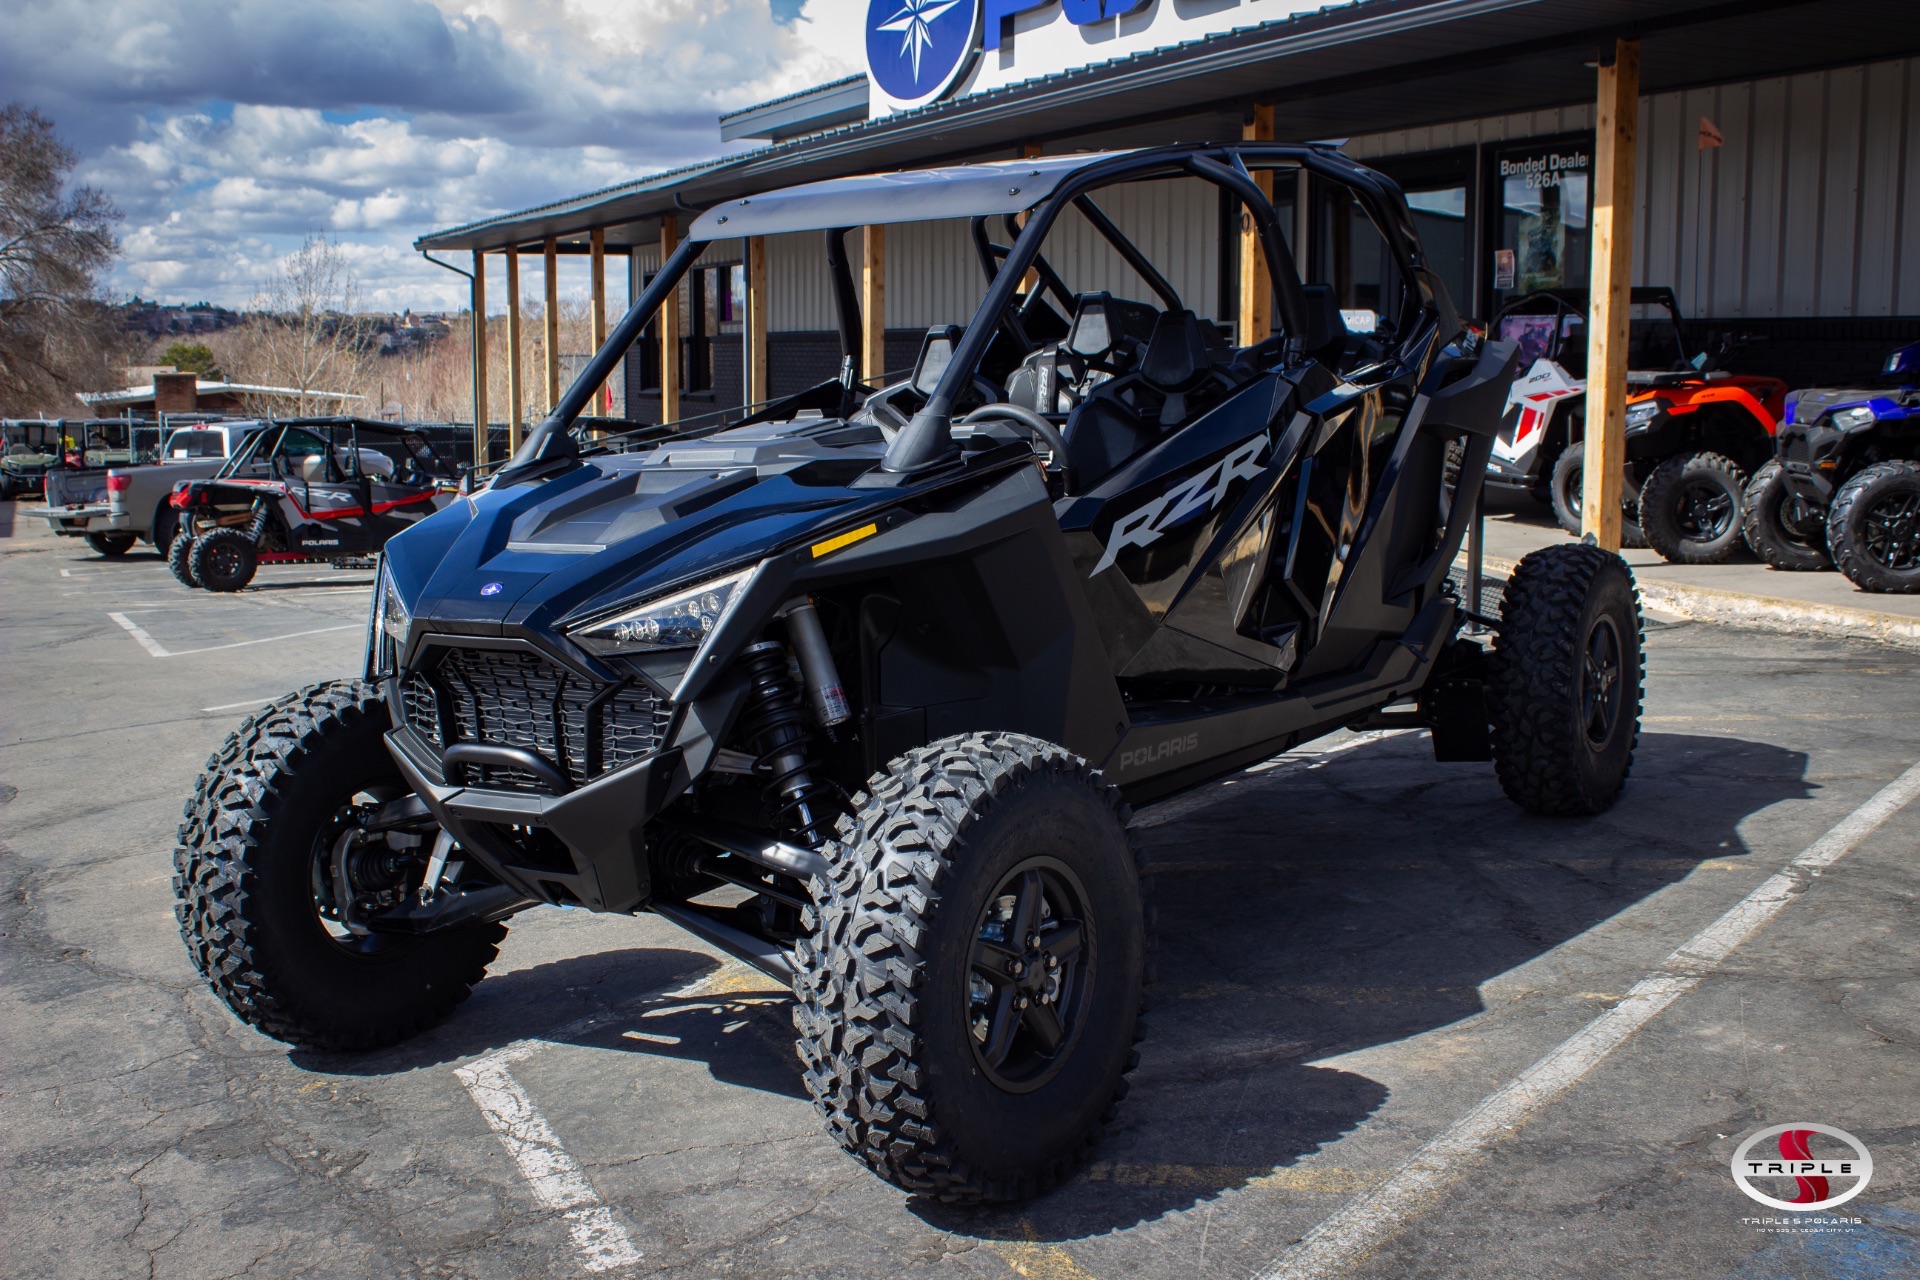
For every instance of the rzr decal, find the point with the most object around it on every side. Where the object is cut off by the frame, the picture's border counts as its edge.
(1202, 492)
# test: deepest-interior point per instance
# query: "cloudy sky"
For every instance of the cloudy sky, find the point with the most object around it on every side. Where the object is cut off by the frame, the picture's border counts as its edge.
(227, 131)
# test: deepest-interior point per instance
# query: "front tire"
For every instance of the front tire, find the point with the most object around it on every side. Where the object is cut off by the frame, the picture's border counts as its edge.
(224, 560)
(1563, 495)
(1779, 526)
(954, 1056)
(1873, 528)
(1565, 682)
(180, 557)
(111, 544)
(1690, 508)
(251, 892)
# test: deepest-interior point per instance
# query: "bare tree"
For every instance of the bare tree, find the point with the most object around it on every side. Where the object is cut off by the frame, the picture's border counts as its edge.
(55, 336)
(306, 335)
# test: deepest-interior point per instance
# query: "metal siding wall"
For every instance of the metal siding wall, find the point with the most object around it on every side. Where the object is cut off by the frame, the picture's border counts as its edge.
(799, 291)
(1812, 208)
(1906, 243)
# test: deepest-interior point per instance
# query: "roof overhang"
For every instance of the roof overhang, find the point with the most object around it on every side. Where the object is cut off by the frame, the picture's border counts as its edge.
(1365, 67)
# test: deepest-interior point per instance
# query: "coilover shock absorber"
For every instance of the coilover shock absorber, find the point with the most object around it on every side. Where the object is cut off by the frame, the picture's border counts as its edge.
(775, 726)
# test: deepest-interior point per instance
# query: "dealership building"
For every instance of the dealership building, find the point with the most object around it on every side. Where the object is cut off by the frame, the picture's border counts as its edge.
(1776, 162)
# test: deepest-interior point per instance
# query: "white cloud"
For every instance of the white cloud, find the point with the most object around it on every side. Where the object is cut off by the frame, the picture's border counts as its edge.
(208, 121)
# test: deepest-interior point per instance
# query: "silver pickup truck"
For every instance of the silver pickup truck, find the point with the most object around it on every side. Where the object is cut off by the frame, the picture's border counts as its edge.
(114, 508)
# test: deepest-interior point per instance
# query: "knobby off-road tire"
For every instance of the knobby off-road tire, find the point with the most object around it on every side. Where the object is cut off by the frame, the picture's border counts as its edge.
(1563, 495)
(224, 560)
(890, 985)
(180, 557)
(1564, 690)
(1690, 508)
(244, 884)
(165, 525)
(1779, 526)
(111, 544)
(1873, 528)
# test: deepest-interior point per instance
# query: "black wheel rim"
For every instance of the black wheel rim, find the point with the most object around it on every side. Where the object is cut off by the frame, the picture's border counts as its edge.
(338, 914)
(1704, 511)
(225, 561)
(1571, 496)
(1799, 523)
(1029, 975)
(1891, 531)
(1602, 669)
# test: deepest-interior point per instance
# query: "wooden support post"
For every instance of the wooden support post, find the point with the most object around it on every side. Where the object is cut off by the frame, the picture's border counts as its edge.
(1256, 284)
(669, 326)
(516, 393)
(479, 335)
(1616, 124)
(873, 304)
(551, 335)
(597, 319)
(754, 331)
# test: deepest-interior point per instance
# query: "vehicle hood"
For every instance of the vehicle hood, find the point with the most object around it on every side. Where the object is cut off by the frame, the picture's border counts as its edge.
(1810, 404)
(623, 527)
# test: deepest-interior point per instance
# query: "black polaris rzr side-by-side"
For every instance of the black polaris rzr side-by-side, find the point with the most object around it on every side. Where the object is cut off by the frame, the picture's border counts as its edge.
(860, 689)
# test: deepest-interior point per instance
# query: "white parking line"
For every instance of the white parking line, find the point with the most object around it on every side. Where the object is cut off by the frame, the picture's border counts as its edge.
(235, 706)
(558, 1181)
(134, 629)
(1368, 1220)
(154, 647)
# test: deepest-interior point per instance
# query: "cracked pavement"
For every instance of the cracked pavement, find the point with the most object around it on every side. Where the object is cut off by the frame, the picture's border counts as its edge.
(1355, 950)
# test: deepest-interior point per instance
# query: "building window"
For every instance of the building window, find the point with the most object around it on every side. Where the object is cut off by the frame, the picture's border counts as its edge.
(1542, 238)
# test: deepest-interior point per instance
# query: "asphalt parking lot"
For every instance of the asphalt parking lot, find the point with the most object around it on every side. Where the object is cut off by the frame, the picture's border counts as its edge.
(1361, 952)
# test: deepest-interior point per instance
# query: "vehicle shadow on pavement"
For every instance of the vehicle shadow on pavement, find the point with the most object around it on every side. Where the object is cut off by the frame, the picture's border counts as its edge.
(1311, 910)
(1315, 911)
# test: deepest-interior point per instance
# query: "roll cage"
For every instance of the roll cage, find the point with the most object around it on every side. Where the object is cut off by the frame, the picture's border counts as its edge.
(342, 439)
(1041, 190)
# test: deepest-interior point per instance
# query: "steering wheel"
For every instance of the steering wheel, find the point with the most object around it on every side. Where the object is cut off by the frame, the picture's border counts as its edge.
(1045, 431)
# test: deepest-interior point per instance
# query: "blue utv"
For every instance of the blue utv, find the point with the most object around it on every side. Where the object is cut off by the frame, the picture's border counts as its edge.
(859, 689)
(1844, 486)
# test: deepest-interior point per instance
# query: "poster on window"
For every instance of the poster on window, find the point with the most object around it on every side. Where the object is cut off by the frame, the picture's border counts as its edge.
(1544, 204)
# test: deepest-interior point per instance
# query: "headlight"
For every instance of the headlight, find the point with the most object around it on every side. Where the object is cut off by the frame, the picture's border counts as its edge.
(683, 620)
(1848, 419)
(1639, 415)
(389, 622)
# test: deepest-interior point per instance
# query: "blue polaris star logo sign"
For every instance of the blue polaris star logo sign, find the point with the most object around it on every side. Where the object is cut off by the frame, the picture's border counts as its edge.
(918, 49)
(492, 589)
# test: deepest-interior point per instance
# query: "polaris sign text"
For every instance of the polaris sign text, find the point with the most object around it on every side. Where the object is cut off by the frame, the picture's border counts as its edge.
(920, 51)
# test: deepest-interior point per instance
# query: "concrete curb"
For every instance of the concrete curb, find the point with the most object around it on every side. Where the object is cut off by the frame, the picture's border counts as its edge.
(1765, 613)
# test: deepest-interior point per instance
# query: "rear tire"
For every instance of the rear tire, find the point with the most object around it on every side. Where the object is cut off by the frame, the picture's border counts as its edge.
(165, 526)
(1873, 528)
(1563, 495)
(1690, 508)
(1780, 526)
(916, 1043)
(111, 544)
(247, 895)
(224, 560)
(180, 557)
(1565, 683)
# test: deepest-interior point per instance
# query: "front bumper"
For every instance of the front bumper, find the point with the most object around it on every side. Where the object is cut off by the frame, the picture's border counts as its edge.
(94, 517)
(586, 847)
(1810, 459)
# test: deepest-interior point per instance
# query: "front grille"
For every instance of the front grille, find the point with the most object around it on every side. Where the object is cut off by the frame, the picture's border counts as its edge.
(514, 698)
(1797, 450)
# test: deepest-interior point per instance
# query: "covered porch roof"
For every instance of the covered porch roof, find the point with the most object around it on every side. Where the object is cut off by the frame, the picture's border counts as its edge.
(1365, 67)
